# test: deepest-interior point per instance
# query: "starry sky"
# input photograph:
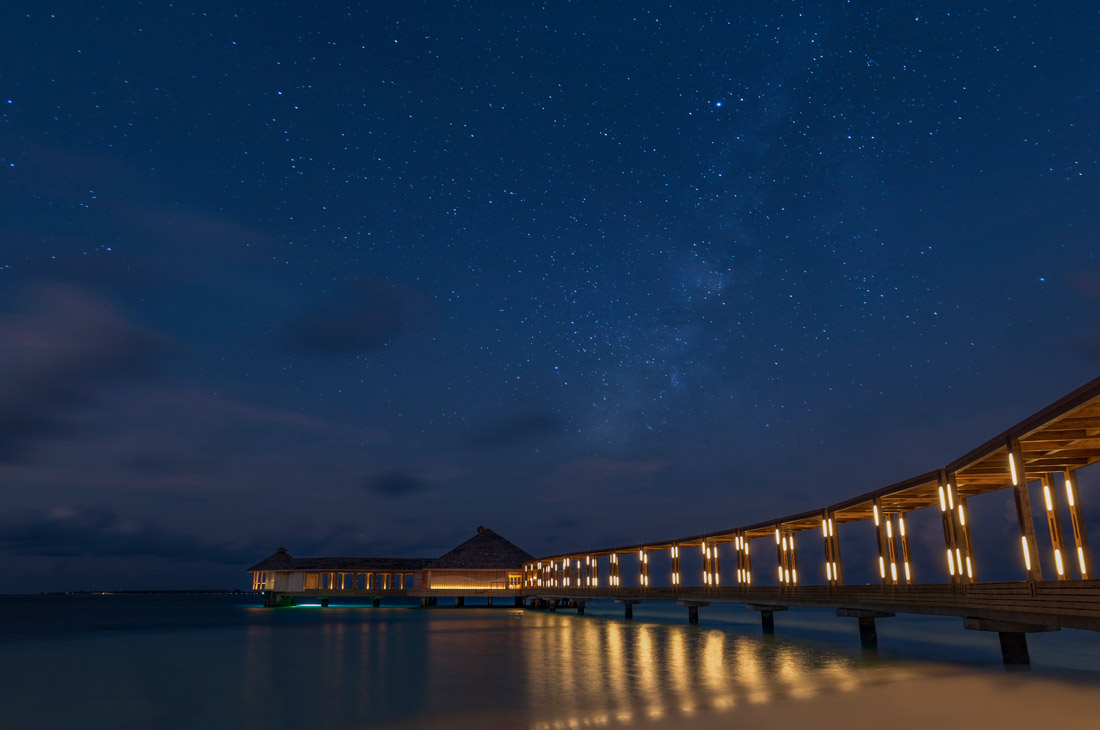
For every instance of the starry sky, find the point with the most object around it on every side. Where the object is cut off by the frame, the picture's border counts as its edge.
(356, 279)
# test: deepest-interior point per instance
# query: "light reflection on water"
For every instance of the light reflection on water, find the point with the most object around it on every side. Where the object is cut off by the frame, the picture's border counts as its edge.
(142, 663)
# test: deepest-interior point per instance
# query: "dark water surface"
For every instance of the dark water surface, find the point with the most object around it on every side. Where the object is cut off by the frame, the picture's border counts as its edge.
(170, 662)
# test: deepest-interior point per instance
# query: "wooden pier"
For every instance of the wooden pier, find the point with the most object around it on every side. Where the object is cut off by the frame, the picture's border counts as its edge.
(1039, 456)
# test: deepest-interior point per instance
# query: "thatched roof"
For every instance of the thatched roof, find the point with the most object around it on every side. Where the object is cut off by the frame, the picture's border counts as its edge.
(484, 551)
(282, 560)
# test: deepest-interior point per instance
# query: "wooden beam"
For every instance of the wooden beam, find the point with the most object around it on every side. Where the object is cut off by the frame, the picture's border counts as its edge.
(1054, 527)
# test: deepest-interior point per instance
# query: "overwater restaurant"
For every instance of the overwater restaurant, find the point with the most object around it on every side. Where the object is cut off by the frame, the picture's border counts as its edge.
(485, 564)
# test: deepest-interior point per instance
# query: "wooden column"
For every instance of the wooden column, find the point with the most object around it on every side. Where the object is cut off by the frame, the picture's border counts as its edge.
(1054, 526)
(829, 580)
(792, 558)
(643, 564)
(1028, 543)
(962, 537)
(947, 511)
(744, 565)
(903, 538)
(716, 565)
(881, 520)
(675, 551)
(891, 549)
(1077, 517)
(747, 558)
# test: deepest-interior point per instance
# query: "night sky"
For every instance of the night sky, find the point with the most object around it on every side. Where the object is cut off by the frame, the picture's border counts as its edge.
(358, 279)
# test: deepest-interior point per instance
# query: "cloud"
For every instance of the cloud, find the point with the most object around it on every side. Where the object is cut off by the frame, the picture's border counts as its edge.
(366, 318)
(56, 357)
(519, 429)
(84, 532)
(396, 483)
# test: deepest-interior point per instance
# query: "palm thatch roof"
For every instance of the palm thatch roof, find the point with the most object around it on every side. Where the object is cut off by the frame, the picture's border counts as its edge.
(282, 560)
(484, 551)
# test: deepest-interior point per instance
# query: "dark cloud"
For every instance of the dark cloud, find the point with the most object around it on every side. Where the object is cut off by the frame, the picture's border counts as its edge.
(82, 532)
(56, 357)
(396, 483)
(519, 429)
(368, 317)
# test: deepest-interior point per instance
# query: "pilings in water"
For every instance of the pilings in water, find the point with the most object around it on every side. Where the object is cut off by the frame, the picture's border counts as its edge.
(693, 609)
(1013, 638)
(628, 607)
(460, 601)
(376, 602)
(324, 603)
(767, 615)
(868, 634)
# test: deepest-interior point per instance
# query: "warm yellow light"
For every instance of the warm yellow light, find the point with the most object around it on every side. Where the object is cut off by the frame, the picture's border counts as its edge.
(908, 577)
(1058, 561)
(746, 547)
(950, 497)
(830, 527)
(951, 562)
(962, 516)
(959, 560)
(788, 574)
(1069, 490)
(875, 507)
(943, 501)
(881, 567)
(717, 579)
(1012, 468)
(777, 536)
(1046, 495)
(894, 572)
(824, 528)
(1081, 561)
(784, 542)
(1027, 554)
(969, 572)
(889, 531)
(901, 525)
(780, 573)
(828, 572)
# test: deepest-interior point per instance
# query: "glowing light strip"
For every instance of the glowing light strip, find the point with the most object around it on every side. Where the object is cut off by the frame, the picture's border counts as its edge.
(1012, 469)
(1027, 554)
(1046, 495)
(1058, 561)
(1069, 490)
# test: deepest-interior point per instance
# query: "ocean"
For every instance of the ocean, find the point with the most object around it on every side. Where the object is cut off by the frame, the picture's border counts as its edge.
(221, 661)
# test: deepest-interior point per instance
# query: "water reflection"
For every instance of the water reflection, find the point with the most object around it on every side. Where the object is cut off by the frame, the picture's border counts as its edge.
(616, 672)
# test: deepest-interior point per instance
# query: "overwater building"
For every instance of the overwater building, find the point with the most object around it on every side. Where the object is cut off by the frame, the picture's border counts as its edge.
(486, 564)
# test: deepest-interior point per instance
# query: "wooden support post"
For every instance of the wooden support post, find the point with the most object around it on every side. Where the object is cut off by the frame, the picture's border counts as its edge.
(460, 601)
(781, 556)
(767, 622)
(966, 543)
(868, 635)
(903, 537)
(675, 551)
(829, 580)
(747, 559)
(792, 558)
(1029, 545)
(881, 521)
(693, 614)
(947, 511)
(376, 602)
(1077, 518)
(643, 562)
(1013, 638)
(1054, 526)
(595, 571)
(324, 603)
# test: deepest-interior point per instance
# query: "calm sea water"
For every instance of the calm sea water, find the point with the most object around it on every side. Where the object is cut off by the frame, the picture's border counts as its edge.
(170, 662)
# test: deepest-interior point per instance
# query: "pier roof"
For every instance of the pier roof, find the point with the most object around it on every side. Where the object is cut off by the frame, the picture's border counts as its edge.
(282, 560)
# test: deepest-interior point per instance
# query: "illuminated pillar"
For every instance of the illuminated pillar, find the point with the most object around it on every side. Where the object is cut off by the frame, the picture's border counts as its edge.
(781, 553)
(882, 522)
(744, 564)
(707, 572)
(1054, 526)
(905, 570)
(1028, 544)
(643, 564)
(716, 567)
(947, 512)
(675, 551)
(1077, 517)
(962, 535)
(792, 558)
